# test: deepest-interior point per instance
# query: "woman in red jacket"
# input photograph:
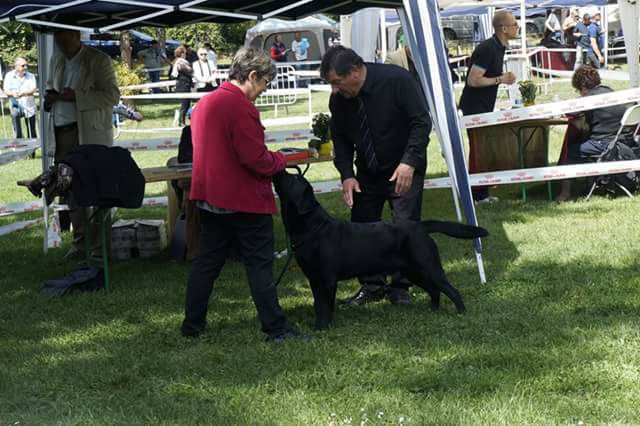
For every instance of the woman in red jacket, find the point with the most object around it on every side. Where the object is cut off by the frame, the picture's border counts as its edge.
(231, 184)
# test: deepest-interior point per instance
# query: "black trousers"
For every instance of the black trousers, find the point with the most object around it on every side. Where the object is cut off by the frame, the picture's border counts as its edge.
(182, 87)
(368, 206)
(253, 235)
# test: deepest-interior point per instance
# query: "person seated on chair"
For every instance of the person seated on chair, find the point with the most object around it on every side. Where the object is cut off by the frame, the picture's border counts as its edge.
(603, 124)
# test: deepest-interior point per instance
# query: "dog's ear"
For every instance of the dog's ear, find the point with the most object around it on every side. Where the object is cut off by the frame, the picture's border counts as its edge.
(306, 201)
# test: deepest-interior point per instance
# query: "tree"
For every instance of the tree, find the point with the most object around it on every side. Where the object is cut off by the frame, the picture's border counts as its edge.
(126, 49)
(17, 39)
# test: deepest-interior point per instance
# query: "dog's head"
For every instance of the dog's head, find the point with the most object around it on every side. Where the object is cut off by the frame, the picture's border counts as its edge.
(296, 197)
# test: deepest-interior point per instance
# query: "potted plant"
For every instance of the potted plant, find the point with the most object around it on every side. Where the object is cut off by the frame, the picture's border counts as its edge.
(528, 91)
(322, 132)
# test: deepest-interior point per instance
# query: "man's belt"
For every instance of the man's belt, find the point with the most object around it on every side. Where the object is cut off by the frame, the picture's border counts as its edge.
(67, 127)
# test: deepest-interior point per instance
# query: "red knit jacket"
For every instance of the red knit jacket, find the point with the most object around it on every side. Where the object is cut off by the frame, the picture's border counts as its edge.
(232, 167)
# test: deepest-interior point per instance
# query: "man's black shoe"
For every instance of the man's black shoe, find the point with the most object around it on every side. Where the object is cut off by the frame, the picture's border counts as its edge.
(398, 296)
(363, 296)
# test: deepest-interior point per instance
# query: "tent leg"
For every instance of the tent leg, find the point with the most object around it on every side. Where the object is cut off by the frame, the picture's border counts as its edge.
(483, 276)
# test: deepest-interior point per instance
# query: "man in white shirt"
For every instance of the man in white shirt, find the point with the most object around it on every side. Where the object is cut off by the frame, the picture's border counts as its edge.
(81, 93)
(204, 72)
(20, 85)
(300, 47)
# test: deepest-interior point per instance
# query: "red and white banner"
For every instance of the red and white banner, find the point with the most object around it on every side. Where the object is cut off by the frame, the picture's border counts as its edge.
(550, 110)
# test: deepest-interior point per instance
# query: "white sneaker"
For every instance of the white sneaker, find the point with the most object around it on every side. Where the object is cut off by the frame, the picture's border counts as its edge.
(488, 200)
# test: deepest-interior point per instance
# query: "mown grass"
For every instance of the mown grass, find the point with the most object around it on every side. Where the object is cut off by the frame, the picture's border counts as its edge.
(551, 339)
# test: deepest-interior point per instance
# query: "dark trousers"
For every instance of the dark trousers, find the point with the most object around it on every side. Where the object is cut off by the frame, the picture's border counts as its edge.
(591, 59)
(184, 103)
(67, 139)
(16, 114)
(253, 236)
(208, 88)
(154, 77)
(586, 151)
(368, 206)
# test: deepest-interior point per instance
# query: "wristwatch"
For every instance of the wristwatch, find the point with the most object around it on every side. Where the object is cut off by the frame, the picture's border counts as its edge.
(498, 81)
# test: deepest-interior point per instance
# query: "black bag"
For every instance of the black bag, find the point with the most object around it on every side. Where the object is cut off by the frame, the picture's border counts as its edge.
(83, 279)
(619, 151)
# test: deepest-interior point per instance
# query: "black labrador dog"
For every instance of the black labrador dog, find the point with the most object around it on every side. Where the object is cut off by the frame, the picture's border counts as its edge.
(330, 250)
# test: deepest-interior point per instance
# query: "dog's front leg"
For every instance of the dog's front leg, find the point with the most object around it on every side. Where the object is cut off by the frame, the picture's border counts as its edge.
(324, 295)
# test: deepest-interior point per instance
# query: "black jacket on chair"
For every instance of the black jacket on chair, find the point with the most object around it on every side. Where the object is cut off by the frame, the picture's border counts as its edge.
(105, 177)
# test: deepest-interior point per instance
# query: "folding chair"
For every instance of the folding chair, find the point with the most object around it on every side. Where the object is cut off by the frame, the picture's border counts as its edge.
(631, 118)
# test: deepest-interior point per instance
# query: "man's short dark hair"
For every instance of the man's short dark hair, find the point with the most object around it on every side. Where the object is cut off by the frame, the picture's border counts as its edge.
(154, 41)
(340, 60)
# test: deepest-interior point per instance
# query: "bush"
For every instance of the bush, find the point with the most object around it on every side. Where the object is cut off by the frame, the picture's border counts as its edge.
(125, 77)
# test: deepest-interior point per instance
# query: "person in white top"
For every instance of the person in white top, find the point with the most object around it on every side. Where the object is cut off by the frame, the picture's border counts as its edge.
(20, 85)
(300, 47)
(204, 72)
(552, 25)
(81, 93)
(211, 54)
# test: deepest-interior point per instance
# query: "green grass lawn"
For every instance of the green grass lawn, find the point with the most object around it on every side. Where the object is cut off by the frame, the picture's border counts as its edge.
(551, 339)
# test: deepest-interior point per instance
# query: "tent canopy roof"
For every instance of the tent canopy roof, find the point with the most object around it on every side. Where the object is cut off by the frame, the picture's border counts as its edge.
(107, 15)
(273, 25)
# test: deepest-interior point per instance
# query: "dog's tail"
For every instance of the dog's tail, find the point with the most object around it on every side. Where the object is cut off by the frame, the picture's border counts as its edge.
(454, 229)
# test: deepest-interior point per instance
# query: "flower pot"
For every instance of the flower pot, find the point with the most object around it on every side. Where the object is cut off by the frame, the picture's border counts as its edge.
(326, 148)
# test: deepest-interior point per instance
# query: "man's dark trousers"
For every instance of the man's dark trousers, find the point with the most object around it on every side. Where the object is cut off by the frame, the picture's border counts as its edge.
(368, 205)
(253, 234)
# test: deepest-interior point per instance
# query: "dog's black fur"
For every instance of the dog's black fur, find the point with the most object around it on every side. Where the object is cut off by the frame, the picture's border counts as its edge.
(330, 250)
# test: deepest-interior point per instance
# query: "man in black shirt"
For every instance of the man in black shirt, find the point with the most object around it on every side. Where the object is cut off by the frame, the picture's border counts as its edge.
(378, 113)
(485, 75)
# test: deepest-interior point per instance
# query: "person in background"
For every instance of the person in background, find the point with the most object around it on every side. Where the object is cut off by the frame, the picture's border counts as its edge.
(380, 123)
(595, 57)
(569, 25)
(603, 124)
(278, 49)
(20, 85)
(153, 58)
(583, 44)
(211, 54)
(228, 146)
(183, 73)
(481, 87)
(204, 72)
(552, 24)
(80, 95)
(300, 47)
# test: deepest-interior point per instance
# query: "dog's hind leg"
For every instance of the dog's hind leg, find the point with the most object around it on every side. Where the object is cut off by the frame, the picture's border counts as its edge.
(429, 274)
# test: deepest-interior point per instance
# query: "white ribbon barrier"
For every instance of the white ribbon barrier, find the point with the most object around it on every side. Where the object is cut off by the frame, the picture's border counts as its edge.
(156, 85)
(198, 95)
(18, 154)
(604, 74)
(19, 143)
(550, 110)
(18, 226)
(16, 208)
(507, 177)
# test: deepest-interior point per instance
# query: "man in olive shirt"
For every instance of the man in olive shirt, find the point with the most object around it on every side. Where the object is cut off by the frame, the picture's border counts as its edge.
(378, 115)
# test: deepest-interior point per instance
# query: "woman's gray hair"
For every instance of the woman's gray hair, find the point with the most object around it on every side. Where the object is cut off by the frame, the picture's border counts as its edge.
(250, 59)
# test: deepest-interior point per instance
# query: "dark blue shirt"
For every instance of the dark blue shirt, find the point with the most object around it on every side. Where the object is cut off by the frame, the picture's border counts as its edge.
(583, 39)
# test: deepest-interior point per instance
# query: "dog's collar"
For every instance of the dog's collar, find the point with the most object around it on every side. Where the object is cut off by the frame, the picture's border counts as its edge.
(308, 236)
